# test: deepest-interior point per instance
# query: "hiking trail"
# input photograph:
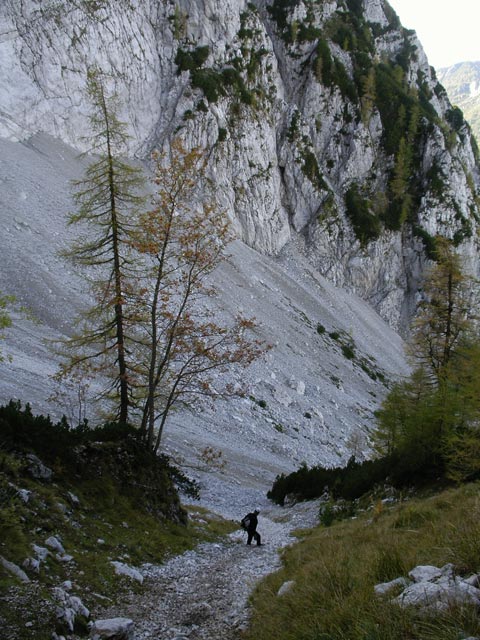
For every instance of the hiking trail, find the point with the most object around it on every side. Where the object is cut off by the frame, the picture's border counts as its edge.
(204, 593)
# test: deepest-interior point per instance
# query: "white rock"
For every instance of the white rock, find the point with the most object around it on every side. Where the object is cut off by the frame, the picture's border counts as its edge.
(474, 580)
(300, 388)
(63, 557)
(59, 594)
(74, 500)
(282, 397)
(421, 594)
(125, 570)
(78, 606)
(286, 587)
(40, 552)
(385, 587)
(114, 628)
(37, 469)
(12, 568)
(438, 589)
(67, 614)
(425, 573)
(55, 544)
(24, 495)
(32, 563)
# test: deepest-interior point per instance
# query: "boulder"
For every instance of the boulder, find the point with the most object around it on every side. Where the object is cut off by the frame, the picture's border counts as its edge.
(113, 629)
(12, 568)
(437, 588)
(32, 563)
(24, 495)
(55, 544)
(37, 469)
(73, 499)
(69, 607)
(285, 588)
(40, 552)
(386, 587)
(123, 569)
(425, 573)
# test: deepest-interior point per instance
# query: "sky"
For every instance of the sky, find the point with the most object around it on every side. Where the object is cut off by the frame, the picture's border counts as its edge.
(448, 30)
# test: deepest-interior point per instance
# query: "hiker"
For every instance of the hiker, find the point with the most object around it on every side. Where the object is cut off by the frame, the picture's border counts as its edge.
(249, 523)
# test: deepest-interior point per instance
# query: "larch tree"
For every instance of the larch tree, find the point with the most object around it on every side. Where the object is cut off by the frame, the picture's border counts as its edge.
(181, 345)
(5, 318)
(433, 417)
(108, 198)
(446, 314)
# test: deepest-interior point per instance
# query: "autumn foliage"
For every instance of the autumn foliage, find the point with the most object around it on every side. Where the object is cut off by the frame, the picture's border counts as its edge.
(152, 338)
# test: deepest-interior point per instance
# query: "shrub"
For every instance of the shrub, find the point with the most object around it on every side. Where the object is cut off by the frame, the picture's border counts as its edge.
(429, 242)
(191, 60)
(366, 224)
(348, 351)
(352, 481)
(210, 82)
(311, 170)
(278, 11)
(326, 514)
(455, 118)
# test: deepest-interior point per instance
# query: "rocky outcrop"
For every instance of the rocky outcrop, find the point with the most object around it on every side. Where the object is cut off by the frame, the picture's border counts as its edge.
(433, 588)
(320, 120)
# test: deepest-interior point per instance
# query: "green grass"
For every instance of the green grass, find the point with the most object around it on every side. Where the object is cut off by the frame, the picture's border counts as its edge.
(335, 569)
(108, 524)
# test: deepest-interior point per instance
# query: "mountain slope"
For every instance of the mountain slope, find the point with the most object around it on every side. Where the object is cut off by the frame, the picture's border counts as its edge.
(334, 150)
(319, 403)
(462, 82)
(322, 120)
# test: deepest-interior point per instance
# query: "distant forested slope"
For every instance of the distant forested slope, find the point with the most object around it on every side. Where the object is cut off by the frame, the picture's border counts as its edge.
(462, 82)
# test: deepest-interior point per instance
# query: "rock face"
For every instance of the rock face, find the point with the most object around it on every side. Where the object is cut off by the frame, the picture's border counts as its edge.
(322, 121)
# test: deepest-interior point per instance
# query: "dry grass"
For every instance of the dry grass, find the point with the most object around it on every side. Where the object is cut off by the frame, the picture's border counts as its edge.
(336, 568)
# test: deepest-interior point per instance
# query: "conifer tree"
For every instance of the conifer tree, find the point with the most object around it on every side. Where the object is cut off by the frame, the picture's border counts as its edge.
(433, 416)
(446, 314)
(107, 198)
(5, 319)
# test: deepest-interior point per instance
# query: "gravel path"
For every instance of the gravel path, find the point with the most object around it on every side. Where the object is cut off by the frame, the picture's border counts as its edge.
(204, 592)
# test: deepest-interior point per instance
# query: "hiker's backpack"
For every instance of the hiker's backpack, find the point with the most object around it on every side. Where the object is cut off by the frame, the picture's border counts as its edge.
(245, 522)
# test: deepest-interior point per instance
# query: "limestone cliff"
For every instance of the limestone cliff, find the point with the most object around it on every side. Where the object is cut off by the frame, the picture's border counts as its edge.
(322, 120)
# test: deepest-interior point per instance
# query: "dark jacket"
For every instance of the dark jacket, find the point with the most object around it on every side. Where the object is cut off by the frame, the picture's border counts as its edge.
(252, 527)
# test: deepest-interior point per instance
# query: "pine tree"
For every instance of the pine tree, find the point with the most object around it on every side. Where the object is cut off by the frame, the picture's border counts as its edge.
(107, 198)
